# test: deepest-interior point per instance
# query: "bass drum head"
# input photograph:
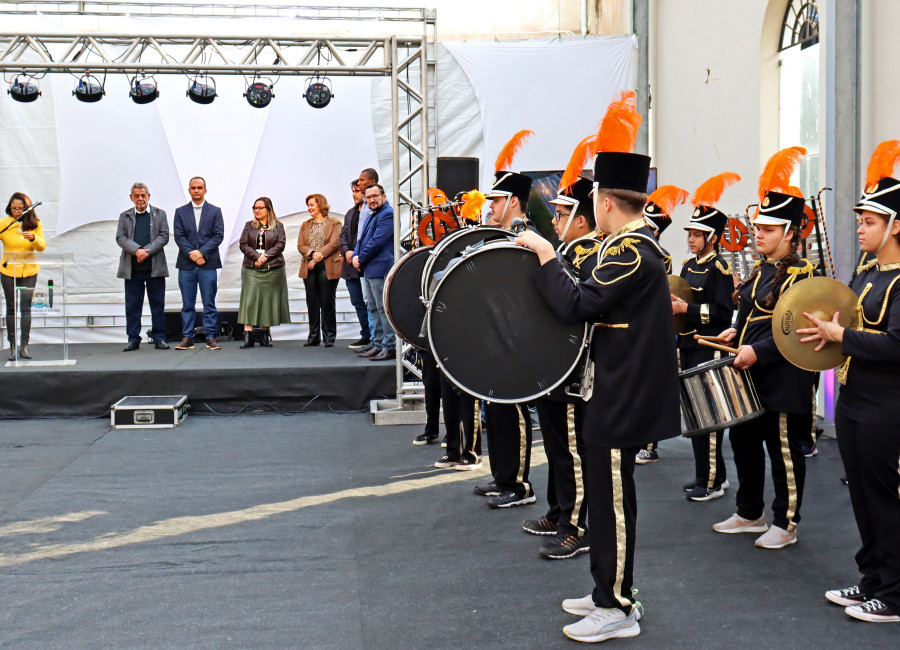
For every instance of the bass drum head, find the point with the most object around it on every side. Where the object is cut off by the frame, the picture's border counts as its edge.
(452, 245)
(402, 305)
(493, 334)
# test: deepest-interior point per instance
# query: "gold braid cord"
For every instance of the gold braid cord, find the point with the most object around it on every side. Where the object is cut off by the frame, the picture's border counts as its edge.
(841, 373)
(628, 244)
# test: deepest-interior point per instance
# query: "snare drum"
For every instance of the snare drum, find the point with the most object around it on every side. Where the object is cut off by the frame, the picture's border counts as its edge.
(493, 334)
(403, 304)
(715, 395)
(453, 244)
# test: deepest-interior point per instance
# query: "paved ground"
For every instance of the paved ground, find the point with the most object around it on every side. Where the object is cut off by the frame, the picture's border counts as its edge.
(321, 531)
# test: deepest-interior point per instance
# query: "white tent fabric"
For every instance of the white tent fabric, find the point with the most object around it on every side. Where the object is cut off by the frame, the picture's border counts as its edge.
(559, 89)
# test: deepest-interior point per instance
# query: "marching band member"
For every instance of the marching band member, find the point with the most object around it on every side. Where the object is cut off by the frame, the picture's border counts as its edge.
(508, 425)
(635, 397)
(712, 310)
(658, 213)
(562, 417)
(784, 390)
(867, 416)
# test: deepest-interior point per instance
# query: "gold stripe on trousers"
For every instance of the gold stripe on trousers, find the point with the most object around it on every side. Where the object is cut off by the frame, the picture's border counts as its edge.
(615, 464)
(576, 468)
(788, 470)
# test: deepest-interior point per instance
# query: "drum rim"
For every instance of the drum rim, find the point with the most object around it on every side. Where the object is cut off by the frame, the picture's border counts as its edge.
(731, 423)
(583, 349)
(387, 284)
(441, 245)
(707, 365)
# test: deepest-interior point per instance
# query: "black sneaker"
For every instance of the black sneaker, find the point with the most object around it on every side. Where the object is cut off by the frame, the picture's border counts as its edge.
(809, 452)
(846, 597)
(873, 611)
(446, 462)
(542, 526)
(360, 344)
(468, 462)
(645, 456)
(425, 439)
(701, 493)
(487, 490)
(844, 480)
(690, 486)
(564, 546)
(511, 499)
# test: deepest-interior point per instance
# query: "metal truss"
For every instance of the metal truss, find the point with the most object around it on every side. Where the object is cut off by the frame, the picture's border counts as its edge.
(408, 61)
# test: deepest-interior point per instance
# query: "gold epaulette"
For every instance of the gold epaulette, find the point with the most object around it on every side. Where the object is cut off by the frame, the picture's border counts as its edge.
(726, 270)
(757, 263)
(865, 266)
(687, 260)
(804, 266)
(627, 243)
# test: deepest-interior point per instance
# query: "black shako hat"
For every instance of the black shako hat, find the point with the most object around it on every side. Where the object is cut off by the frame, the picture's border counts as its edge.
(778, 209)
(882, 198)
(508, 184)
(707, 219)
(617, 170)
(579, 197)
(655, 214)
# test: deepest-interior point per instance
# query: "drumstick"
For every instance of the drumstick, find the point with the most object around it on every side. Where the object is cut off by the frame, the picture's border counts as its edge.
(699, 337)
(716, 346)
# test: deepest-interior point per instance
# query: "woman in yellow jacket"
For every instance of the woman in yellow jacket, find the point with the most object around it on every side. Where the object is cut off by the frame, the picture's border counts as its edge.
(18, 267)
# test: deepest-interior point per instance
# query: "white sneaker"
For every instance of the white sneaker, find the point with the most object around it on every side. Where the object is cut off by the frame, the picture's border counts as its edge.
(603, 624)
(777, 537)
(736, 524)
(585, 606)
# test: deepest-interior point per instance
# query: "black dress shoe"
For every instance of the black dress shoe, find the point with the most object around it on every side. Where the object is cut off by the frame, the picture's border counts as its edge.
(385, 355)
(310, 344)
(161, 345)
(132, 346)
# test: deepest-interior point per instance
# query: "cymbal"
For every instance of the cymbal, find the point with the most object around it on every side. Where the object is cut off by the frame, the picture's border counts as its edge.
(821, 297)
(680, 287)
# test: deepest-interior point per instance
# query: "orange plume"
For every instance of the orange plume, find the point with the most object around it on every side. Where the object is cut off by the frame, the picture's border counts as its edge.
(883, 161)
(710, 192)
(580, 157)
(474, 202)
(777, 174)
(793, 190)
(504, 160)
(667, 197)
(619, 127)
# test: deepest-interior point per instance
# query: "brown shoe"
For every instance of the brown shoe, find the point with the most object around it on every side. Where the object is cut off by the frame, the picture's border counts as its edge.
(212, 345)
(385, 355)
(186, 344)
(371, 353)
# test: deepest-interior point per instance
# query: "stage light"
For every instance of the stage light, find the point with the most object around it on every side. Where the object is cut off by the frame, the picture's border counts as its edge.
(202, 89)
(89, 89)
(23, 89)
(143, 90)
(318, 94)
(259, 94)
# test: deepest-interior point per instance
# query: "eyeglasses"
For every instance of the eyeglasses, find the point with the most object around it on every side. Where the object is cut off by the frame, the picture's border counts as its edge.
(557, 216)
(257, 208)
(12, 209)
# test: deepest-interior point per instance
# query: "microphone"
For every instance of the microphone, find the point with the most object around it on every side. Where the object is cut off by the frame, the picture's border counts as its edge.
(28, 209)
(50, 292)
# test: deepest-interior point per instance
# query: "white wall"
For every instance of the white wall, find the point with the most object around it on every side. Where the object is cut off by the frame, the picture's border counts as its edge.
(705, 88)
(880, 91)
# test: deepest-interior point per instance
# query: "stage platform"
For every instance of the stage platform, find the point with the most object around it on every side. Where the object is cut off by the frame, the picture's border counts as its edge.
(286, 376)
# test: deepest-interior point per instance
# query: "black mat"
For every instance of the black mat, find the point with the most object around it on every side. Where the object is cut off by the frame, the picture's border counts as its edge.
(287, 376)
(194, 537)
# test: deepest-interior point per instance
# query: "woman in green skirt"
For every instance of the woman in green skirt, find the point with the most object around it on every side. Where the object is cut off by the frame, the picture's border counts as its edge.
(264, 297)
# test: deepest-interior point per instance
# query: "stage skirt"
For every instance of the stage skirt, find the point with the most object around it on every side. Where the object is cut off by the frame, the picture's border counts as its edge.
(264, 297)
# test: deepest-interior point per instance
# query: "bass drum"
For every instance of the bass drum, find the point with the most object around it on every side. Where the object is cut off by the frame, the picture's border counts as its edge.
(715, 395)
(452, 245)
(493, 334)
(402, 300)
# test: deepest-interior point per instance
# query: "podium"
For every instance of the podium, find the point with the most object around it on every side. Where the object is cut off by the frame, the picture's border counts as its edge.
(47, 302)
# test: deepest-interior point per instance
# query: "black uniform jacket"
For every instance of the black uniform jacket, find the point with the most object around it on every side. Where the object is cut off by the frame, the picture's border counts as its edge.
(667, 260)
(872, 389)
(781, 386)
(635, 400)
(712, 310)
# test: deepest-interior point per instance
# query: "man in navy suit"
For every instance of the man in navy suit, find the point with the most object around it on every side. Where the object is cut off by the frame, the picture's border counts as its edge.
(374, 257)
(199, 230)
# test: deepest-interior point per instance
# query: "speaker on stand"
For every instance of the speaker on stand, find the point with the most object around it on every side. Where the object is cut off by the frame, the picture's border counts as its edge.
(455, 175)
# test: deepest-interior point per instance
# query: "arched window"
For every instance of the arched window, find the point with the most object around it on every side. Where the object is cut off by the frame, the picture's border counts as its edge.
(799, 79)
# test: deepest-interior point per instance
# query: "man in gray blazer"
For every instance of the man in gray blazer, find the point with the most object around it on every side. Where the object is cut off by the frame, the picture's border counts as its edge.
(142, 233)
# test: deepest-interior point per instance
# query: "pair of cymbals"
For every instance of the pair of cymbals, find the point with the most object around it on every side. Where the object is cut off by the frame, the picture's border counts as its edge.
(819, 297)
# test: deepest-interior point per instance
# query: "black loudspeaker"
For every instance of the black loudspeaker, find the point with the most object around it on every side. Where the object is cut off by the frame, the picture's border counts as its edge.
(455, 175)
(229, 328)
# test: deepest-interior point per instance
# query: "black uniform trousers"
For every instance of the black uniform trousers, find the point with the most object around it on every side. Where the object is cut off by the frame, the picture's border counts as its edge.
(562, 430)
(431, 380)
(871, 455)
(320, 303)
(509, 445)
(783, 435)
(462, 419)
(612, 505)
(709, 465)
